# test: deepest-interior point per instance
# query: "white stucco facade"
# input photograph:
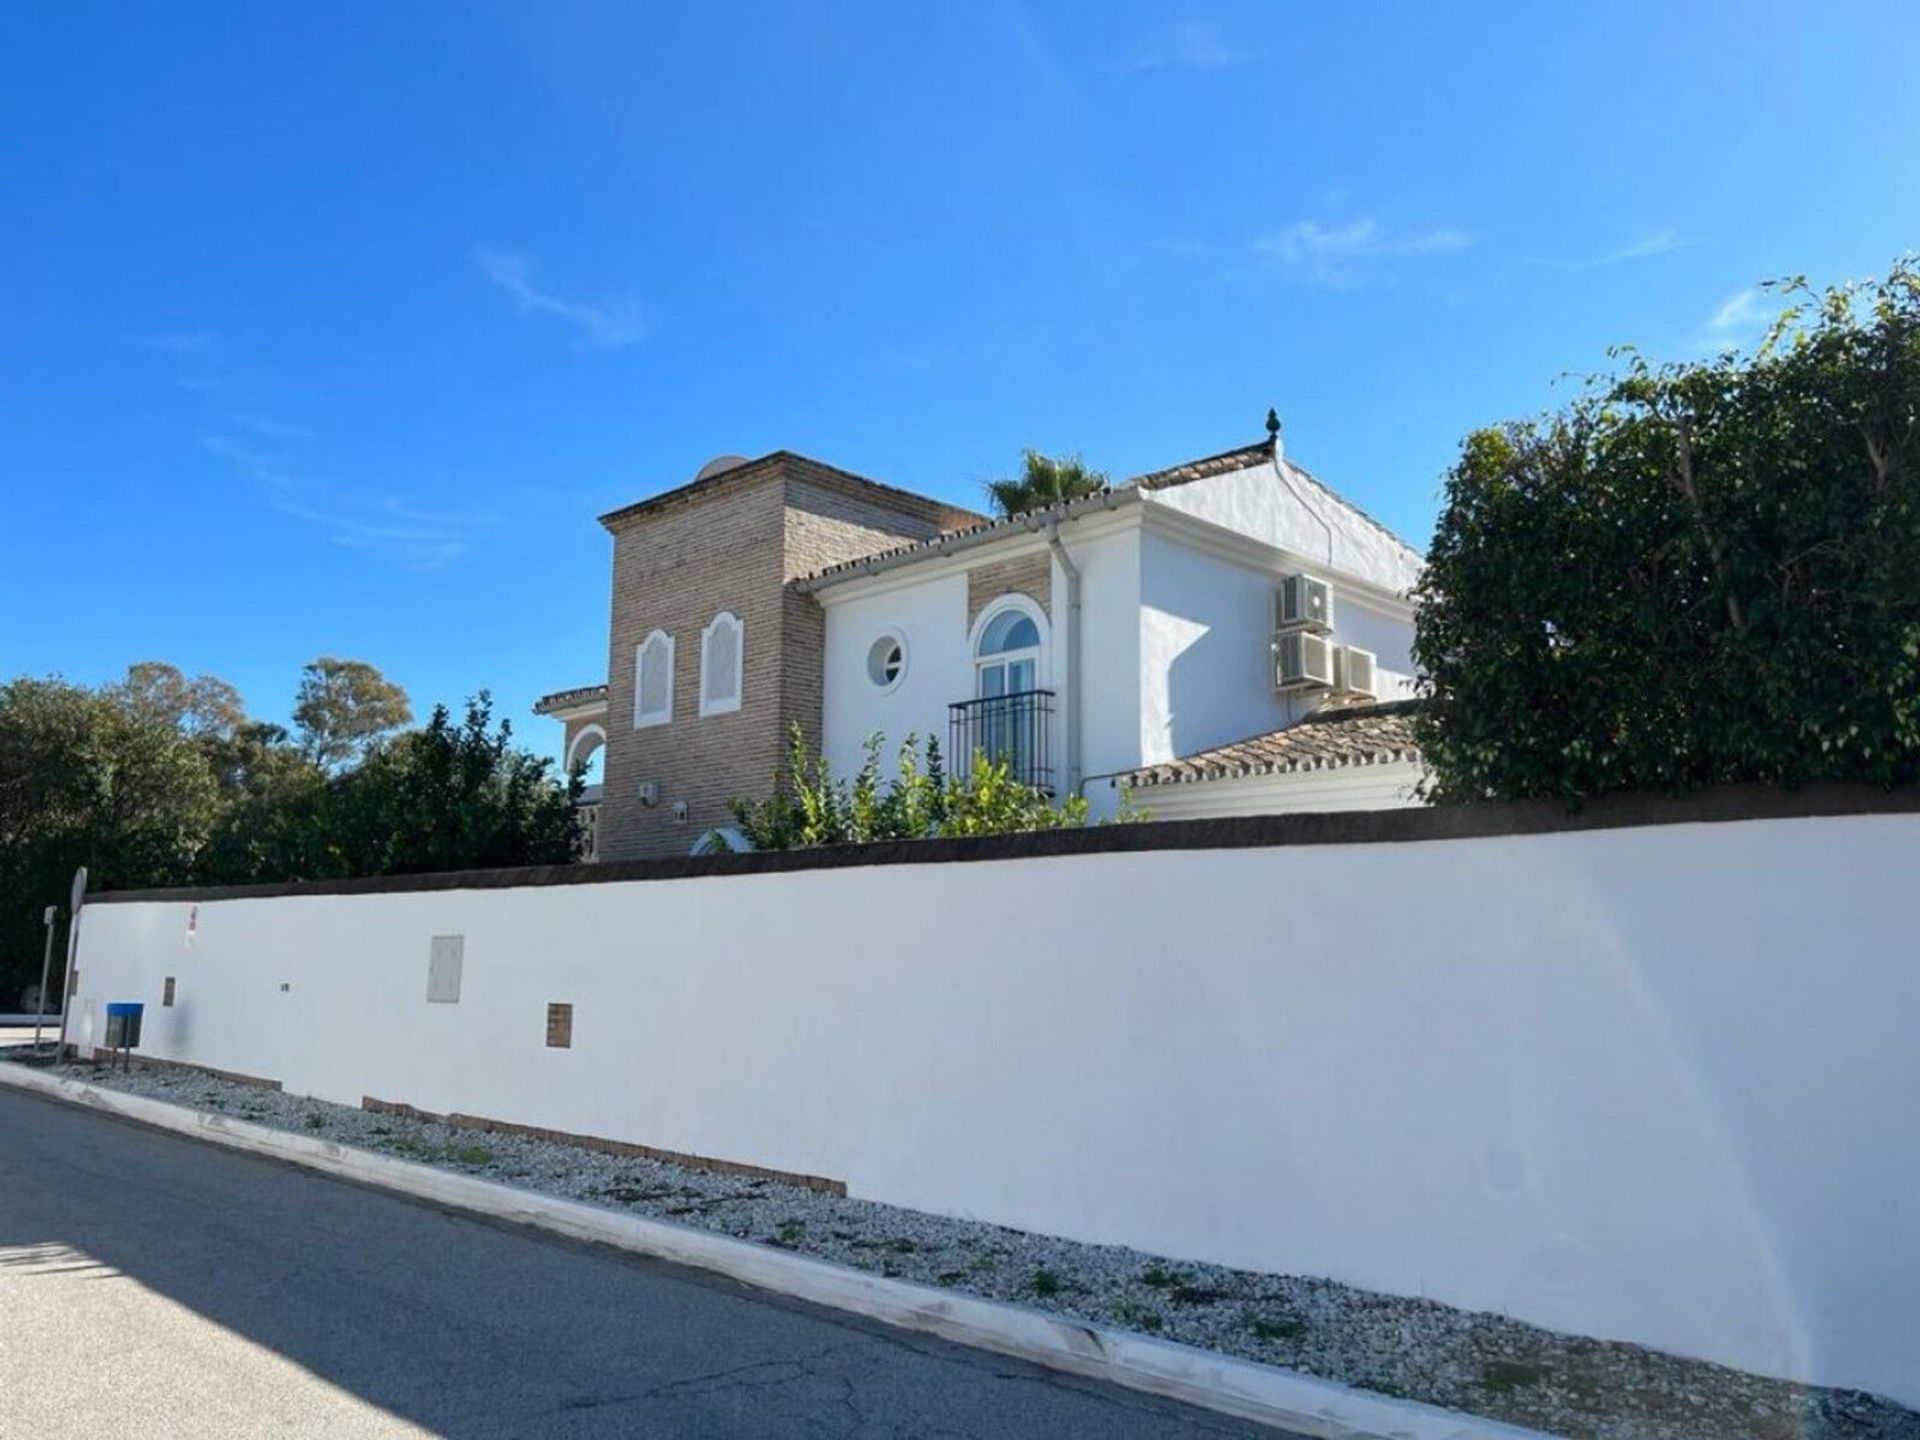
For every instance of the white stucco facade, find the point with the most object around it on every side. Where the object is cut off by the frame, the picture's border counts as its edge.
(1175, 623)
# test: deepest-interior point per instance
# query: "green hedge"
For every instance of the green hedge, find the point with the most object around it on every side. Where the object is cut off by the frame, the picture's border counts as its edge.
(1694, 574)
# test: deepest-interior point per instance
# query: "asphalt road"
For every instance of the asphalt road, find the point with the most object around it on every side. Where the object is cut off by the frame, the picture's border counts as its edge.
(152, 1285)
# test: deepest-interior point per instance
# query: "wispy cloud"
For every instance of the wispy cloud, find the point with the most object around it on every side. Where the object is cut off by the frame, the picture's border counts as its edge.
(386, 525)
(1344, 254)
(1653, 243)
(608, 324)
(1192, 45)
(1740, 320)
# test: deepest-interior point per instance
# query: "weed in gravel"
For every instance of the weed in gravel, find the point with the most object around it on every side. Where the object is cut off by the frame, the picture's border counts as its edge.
(1503, 1377)
(448, 1153)
(789, 1233)
(1157, 1276)
(1185, 1294)
(1045, 1282)
(1138, 1317)
(314, 1120)
(1266, 1328)
(902, 1246)
(950, 1277)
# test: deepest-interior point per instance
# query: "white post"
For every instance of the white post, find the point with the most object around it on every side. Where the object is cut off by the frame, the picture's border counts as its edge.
(46, 964)
(76, 899)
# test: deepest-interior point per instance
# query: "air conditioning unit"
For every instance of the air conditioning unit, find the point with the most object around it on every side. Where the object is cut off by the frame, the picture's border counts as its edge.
(1353, 671)
(1302, 661)
(1303, 603)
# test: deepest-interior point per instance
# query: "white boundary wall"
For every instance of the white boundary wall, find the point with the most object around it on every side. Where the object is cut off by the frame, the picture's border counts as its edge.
(1653, 1084)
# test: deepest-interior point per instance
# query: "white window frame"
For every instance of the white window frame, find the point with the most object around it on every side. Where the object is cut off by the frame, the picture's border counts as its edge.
(643, 719)
(1039, 654)
(887, 635)
(738, 626)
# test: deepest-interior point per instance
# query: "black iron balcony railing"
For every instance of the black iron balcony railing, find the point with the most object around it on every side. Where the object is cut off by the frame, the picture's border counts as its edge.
(1007, 728)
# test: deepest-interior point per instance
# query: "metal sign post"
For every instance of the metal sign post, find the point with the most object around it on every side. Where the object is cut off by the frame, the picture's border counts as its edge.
(46, 964)
(76, 899)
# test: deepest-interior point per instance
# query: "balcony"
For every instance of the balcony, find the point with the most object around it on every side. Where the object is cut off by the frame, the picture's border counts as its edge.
(1011, 729)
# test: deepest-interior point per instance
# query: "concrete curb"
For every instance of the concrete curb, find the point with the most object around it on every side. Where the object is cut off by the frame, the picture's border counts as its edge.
(1242, 1388)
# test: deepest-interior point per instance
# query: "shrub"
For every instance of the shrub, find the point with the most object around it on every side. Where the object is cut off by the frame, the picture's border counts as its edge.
(810, 807)
(1694, 574)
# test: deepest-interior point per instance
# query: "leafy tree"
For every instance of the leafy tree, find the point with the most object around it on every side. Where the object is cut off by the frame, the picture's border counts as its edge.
(1044, 480)
(344, 706)
(88, 777)
(1694, 574)
(449, 797)
(809, 807)
(270, 795)
(202, 706)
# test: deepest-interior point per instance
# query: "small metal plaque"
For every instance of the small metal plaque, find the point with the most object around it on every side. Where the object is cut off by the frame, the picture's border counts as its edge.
(166, 992)
(559, 1026)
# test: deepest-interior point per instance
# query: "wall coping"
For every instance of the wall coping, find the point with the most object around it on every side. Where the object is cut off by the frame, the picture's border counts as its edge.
(1721, 805)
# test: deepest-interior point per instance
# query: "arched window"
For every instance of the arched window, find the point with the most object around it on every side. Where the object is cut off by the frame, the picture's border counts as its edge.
(1007, 720)
(653, 681)
(1006, 654)
(722, 651)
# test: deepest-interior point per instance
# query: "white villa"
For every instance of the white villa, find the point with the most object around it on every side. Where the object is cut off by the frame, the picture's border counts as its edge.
(1226, 636)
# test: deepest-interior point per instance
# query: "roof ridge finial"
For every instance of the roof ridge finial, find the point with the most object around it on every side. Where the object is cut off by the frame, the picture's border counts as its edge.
(1273, 423)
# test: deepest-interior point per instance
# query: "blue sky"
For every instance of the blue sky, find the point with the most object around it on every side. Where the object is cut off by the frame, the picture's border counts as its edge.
(331, 328)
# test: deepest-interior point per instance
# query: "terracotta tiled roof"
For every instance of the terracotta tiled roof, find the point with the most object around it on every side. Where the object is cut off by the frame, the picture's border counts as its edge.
(1350, 735)
(570, 699)
(1225, 463)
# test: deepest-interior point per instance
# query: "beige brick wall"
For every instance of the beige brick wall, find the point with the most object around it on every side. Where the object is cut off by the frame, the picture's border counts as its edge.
(1029, 575)
(674, 570)
(731, 546)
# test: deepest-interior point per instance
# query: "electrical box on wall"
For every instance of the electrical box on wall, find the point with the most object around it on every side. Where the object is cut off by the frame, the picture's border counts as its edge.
(446, 957)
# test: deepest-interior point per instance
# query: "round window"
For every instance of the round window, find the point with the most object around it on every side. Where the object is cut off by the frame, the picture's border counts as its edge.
(887, 661)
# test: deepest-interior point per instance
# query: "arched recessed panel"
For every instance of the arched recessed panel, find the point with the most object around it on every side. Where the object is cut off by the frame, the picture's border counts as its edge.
(722, 659)
(653, 681)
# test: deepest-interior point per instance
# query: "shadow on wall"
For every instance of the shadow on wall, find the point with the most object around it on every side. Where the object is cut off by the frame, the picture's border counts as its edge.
(1219, 686)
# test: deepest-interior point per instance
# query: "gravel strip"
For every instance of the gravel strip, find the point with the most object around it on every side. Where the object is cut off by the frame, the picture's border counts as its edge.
(1483, 1364)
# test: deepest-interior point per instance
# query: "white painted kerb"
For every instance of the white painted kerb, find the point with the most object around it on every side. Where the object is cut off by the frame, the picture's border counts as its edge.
(1241, 1388)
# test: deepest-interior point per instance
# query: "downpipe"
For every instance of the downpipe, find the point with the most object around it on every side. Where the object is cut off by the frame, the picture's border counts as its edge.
(1074, 707)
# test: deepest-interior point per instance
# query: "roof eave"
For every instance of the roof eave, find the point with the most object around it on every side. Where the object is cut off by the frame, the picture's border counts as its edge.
(1030, 522)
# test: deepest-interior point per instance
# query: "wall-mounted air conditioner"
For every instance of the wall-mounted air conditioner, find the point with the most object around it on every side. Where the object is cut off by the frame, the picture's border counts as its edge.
(1302, 661)
(1353, 672)
(1303, 603)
